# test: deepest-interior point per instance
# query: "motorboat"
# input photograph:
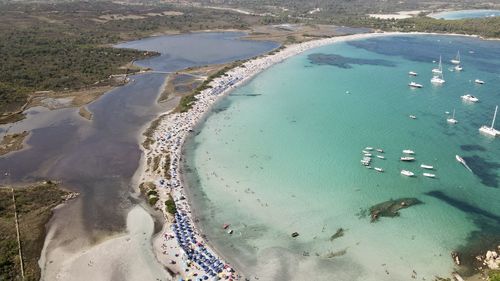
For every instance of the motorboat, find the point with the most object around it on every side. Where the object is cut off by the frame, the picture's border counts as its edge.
(380, 157)
(458, 68)
(469, 98)
(368, 155)
(380, 150)
(379, 169)
(412, 73)
(413, 117)
(429, 175)
(477, 81)
(491, 130)
(452, 120)
(415, 85)
(368, 148)
(428, 167)
(408, 151)
(462, 161)
(407, 158)
(407, 173)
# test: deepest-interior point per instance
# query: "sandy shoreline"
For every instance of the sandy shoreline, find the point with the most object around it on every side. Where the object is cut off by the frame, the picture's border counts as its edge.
(180, 246)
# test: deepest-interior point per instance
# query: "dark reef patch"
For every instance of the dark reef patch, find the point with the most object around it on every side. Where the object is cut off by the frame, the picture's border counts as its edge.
(472, 147)
(479, 241)
(485, 170)
(345, 62)
(391, 207)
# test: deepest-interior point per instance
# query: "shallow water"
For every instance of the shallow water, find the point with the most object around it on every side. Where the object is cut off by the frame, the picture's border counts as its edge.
(281, 155)
(98, 158)
(465, 14)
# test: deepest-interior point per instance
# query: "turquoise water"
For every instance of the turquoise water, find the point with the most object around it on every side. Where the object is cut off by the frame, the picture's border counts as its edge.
(465, 14)
(281, 155)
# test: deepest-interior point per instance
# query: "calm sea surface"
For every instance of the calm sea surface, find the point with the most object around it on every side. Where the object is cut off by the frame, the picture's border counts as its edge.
(282, 155)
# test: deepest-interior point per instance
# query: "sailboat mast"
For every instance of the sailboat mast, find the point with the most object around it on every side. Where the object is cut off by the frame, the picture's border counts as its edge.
(453, 113)
(494, 117)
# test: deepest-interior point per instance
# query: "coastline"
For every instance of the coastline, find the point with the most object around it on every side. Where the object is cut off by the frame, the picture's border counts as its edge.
(169, 138)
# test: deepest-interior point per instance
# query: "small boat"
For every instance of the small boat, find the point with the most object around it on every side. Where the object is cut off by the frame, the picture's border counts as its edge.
(369, 167)
(380, 150)
(429, 175)
(412, 73)
(368, 155)
(407, 151)
(347, 92)
(428, 167)
(452, 120)
(413, 117)
(365, 152)
(225, 226)
(415, 85)
(491, 130)
(456, 60)
(379, 169)
(458, 68)
(439, 69)
(230, 231)
(477, 81)
(407, 158)
(462, 161)
(438, 74)
(446, 112)
(469, 98)
(380, 157)
(407, 173)
(368, 148)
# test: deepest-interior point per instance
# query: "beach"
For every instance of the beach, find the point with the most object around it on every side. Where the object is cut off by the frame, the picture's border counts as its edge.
(181, 246)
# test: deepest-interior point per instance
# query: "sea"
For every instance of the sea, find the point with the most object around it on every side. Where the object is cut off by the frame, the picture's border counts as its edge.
(281, 155)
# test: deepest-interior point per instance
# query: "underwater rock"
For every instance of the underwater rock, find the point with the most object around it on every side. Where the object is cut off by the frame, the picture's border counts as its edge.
(391, 208)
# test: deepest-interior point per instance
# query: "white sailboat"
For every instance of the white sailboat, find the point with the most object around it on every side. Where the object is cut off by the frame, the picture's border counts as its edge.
(452, 120)
(491, 130)
(438, 77)
(438, 70)
(456, 60)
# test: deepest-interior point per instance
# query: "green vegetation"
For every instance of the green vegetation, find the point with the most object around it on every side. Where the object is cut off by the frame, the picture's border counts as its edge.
(66, 46)
(494, 275)
(170, 205)
(34, 208)
(148, 189)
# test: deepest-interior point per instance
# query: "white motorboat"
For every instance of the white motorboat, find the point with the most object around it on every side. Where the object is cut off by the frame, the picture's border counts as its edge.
(456, 60)
(380, 150)
(413, 117)
(380, 157)
(428, 167)
(368, 148)
(462, 161)
(412, 73)
(415, 85)
(379, 169)
(407, 158)
(429, 175)
(477, 81)
(364, 151)
(452, 120)
(407, 173)
(407, 151)
(368, 155)
(458, 68)
(491, 131)
(469, 98)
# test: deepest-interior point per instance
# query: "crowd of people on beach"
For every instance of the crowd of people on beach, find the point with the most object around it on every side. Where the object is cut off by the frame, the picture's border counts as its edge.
(201, 262)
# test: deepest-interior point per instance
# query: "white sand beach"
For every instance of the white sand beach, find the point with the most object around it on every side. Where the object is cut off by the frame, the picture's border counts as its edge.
(180, 246)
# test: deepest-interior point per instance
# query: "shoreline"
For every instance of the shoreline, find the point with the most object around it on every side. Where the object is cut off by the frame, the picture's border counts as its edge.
(169, 138)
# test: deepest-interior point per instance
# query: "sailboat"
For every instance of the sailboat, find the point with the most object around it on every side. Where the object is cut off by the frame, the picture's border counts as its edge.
(438, 70)
(438, 74)
(491, 130)
(456, 60)
(452, 120)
